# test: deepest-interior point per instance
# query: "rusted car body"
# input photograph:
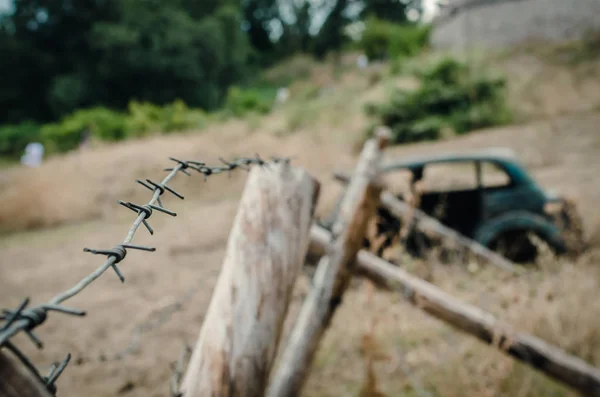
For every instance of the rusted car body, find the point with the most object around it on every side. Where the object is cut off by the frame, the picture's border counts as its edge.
(501, 212)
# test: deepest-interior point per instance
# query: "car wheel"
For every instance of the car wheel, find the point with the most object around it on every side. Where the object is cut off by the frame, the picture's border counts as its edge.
(516, 246)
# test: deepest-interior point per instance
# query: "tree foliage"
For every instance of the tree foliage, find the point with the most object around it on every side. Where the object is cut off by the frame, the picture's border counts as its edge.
(452, 97)
(385, 40)
(62, 55)
(391, 10)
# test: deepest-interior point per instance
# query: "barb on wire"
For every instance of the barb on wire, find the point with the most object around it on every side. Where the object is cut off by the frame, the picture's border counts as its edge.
(117, 254)
(23, 319)
(55, 371)
(178, 371)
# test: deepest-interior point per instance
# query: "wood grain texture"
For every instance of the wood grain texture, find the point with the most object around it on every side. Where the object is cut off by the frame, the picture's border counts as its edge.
(16, 380)
(265, 253)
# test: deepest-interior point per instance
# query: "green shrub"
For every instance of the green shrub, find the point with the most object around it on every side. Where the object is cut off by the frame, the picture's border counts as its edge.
(375, 39)
(14, 138)
(450, 97)
(145, 118)
(383, 39)
(59, 137)
(242, 101)
(103, 124)
(177, 117)
(67, 134)
(446, 71)
(408, 40)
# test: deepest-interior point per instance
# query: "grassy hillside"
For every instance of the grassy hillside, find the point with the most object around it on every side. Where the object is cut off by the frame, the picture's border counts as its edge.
(70, 203)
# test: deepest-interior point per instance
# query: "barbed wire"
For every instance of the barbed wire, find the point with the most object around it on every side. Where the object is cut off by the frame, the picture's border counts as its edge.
(26, 320)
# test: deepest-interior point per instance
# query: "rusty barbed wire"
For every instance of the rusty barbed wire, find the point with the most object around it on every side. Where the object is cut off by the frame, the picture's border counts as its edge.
(26, 320)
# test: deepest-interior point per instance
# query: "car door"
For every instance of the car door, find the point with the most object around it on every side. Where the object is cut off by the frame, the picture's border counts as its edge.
(501, 193)
(451, 194)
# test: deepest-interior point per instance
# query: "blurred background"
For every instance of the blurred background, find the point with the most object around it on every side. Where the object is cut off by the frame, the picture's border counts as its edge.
(97, 93)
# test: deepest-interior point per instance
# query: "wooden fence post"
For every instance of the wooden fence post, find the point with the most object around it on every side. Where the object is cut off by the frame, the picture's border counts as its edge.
(334, 272)
(16, 380)
(265, 253)
(552, 361)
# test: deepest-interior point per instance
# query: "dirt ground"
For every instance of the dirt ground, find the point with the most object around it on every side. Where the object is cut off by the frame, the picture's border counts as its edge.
(425, 356)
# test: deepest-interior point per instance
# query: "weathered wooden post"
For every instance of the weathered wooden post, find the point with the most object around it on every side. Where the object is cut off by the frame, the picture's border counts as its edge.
(334, 272)
(265, 253)
(16, 380)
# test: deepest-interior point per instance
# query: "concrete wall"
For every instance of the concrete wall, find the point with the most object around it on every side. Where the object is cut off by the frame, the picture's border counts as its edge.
(500, 23)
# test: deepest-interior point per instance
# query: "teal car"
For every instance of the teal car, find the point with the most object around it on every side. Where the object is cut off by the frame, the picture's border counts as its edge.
(487, 196)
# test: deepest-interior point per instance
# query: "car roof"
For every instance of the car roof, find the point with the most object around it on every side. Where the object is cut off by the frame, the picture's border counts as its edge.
(500, 154)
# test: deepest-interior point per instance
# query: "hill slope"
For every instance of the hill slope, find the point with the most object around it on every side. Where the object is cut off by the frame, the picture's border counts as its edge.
(561, 152)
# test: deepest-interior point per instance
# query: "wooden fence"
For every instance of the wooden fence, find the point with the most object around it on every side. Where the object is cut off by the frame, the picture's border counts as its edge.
(271, 236)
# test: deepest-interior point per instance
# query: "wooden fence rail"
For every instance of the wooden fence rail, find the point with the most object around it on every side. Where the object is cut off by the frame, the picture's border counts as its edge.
(334, 272)
(533, 351)
(265, 253)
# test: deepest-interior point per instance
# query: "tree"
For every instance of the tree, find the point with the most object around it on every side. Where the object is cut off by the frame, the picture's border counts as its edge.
(61, 55)
(158, 52)
(257, 16)
(46, 58)
(331, 35)
(390, 10)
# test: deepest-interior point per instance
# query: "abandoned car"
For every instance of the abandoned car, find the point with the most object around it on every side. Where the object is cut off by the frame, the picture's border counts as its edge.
(486, 196)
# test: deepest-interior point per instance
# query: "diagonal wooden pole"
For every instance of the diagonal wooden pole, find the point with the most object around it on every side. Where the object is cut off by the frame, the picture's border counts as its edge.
(334, 272)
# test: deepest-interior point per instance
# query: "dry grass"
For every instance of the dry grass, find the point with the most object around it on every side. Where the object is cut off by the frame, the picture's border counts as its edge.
(444, 362)
(326, 111)
(413, 351)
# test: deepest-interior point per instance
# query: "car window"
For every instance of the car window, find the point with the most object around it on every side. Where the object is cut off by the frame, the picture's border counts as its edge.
(492, 175)
(397, 181)
(440, 177)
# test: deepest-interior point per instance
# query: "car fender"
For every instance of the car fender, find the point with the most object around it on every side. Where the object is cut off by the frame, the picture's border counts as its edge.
(520, 220)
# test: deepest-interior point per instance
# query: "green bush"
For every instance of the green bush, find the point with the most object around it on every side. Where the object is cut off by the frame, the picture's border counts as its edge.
(59, 137)
(242, 101)
(145, 118)
(178, 117)
(376, 38)
(450, 97)
(105, 124)
(67, 134)
(14, 138)
(383, 39)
